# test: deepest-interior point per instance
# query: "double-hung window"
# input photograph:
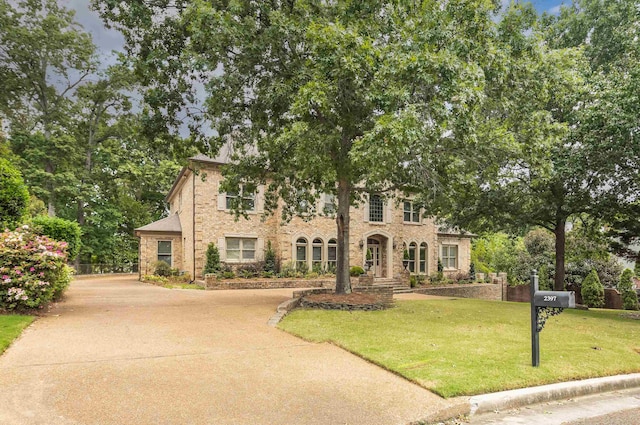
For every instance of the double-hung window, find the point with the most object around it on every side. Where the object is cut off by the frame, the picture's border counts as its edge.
(164, 251)
(411, 213)
(332, 255)
(449, 256)
(329, 204)
(248, 201)
(241, 249)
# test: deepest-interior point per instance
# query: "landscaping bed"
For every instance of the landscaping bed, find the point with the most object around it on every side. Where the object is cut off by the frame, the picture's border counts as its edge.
(350, 302)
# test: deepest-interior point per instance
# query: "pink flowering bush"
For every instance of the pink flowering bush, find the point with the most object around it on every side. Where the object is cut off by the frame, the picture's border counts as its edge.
(33, 269)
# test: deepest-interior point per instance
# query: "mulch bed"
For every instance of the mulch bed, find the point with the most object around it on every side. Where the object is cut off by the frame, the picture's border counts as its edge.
(353, 301)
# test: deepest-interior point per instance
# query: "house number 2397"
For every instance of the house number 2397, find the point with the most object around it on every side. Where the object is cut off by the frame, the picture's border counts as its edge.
(550, 297)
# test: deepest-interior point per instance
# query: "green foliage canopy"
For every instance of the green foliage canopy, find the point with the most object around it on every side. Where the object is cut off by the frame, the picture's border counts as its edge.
(14, 196)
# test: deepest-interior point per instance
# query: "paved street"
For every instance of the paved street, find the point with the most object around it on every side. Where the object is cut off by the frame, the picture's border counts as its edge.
(618, 407)
(118, 351)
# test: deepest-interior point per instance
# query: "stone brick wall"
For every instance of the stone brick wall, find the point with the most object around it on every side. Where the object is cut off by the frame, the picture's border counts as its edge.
(213, 223)
(484, 291)
(519, 293)
(149, 251)
(212, 283)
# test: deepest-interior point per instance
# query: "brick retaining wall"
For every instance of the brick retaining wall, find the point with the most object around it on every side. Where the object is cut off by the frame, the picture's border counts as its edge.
(484, 291)
(211, 282)
(520, 293)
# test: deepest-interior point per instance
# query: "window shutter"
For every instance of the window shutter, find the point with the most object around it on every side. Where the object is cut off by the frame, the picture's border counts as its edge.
(366, 212)
(388, 211)
(260, 249)
(222, 201)
(260, 199)
(222, 249)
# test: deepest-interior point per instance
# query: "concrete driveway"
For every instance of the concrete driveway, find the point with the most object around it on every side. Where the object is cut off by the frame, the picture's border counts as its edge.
(118, 351)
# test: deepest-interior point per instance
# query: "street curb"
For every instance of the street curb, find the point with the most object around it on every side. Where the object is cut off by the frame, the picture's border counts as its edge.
(526, 396)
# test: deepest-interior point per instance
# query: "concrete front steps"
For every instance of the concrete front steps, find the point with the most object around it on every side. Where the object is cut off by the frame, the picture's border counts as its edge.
(398, 287)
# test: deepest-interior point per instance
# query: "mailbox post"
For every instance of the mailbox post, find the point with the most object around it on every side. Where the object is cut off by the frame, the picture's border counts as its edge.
(545, 304)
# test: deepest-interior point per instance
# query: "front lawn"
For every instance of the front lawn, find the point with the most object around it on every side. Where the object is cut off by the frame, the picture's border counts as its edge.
(466, 347)
(10, 327)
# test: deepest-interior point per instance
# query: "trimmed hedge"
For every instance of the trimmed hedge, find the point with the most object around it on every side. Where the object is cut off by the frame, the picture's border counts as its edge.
(33, 269)
(60, 229)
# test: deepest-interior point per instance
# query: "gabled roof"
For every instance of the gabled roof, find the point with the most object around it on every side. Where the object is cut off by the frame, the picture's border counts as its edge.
(170, 224)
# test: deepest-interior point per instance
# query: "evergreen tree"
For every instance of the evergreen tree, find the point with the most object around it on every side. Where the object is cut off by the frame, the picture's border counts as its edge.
(629, 296)
(592, 290)
(213, 259)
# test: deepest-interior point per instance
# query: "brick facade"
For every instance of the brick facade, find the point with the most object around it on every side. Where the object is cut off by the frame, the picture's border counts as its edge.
(204, 218)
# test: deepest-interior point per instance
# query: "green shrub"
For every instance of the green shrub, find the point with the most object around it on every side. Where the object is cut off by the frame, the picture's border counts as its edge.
(288, 270)
(228, 275)
(413, 282)
(213, 259)
(472, 272)
(14, 196)
(161, 268)
(312, 275)
(155, 279)
(302, 268)
(356, 271)
(270, 259)
(592, 290)
(33, 269)
(59, 229)
(629, 296)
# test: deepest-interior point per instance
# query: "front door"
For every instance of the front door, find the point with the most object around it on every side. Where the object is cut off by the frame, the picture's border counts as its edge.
(375, 257)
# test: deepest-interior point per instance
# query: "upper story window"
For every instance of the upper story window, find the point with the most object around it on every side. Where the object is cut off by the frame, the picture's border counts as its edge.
(411, 213)
(329, 204)
(449, 256)
(376, 209)
(164, 251)
(248, 201)
(241, 249)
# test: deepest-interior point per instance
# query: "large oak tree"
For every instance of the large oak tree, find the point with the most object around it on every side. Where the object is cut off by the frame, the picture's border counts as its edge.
(314, 95)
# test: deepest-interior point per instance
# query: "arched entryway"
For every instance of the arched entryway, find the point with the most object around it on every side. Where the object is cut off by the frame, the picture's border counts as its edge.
(380, 246)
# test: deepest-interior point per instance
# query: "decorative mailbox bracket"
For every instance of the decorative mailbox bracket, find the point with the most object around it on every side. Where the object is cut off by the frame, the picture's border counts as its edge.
(545, 304)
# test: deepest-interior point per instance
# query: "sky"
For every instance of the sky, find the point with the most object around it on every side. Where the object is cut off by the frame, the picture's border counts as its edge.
(109, 40)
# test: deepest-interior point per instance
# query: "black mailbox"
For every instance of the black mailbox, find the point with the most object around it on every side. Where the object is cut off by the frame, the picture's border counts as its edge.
(561, 299)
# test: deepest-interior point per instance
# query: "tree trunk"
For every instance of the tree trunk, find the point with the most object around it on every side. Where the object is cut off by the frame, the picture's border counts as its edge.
(51, 202)
(558, 284)
(343, 279)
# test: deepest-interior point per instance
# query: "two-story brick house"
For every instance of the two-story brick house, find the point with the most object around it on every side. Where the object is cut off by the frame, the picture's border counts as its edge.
(199, 214)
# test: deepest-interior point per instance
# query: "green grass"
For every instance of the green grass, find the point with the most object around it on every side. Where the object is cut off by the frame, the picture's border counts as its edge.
(10, 327)
(465, 347)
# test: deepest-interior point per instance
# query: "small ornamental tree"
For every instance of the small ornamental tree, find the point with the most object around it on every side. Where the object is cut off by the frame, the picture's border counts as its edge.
(592, 290)
(213, 259)
(33, 269)
(629, 296)
(60, 229)
(472, 272)
(14, 196)
(270, 259)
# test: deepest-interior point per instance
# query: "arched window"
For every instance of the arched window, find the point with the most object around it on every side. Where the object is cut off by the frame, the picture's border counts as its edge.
(423, 258)
(412, 257)
(301, 253)
(316, 255)
(332, 255)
